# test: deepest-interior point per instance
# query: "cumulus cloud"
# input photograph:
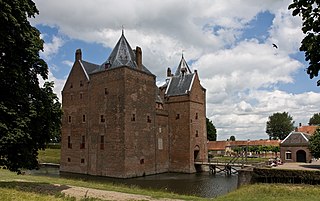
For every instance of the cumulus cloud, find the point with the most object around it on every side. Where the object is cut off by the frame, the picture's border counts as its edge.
(241, 76)
(50, 49)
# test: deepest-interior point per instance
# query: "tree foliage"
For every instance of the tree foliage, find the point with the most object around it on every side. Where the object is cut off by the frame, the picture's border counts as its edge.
(315, 119)
(29, 114)
(314, 144)
(279, 125)
(232, 138)
(211, 131)
(309, 11)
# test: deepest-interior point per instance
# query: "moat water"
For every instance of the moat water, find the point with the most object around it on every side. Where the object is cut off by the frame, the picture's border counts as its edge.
(198, 184)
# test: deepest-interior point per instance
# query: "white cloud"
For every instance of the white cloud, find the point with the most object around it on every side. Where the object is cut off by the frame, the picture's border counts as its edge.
(50, 49)
(241, 77)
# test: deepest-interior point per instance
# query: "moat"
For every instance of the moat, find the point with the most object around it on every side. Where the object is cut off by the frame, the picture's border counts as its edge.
(199, 184)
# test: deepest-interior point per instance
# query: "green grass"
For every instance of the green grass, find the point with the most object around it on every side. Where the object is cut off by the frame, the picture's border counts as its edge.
(29, 187)
(273, 192)
(39, 183)
(49, 156)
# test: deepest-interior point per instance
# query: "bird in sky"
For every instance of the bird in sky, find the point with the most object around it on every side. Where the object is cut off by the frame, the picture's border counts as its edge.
(274, 45)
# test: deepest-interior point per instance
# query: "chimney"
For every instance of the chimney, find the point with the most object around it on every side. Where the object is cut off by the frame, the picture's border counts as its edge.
(169, 72)
(139, 57)
(78, 55)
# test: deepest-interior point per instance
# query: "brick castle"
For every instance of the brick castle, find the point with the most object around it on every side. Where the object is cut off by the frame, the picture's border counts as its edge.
(118, 123)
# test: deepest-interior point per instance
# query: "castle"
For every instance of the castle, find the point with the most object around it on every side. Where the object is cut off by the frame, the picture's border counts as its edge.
(118, 123)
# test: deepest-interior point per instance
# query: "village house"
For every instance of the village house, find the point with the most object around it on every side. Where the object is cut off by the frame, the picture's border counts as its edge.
(118, 123)
(294, 148)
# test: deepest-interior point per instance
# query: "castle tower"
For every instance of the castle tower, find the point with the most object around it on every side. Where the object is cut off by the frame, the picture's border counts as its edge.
(185, 100)
(113, 116)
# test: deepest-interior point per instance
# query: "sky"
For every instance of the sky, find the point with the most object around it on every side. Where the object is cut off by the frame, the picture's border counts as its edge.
(229, 42)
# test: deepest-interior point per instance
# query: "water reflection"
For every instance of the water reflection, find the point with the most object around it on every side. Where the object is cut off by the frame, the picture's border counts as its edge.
(199, 184)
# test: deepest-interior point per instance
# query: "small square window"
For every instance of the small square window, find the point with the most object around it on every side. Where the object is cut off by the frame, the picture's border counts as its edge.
(106, 92)
(102, 119)
(71, 85)
(178, 116)
(82, 160)
(69, 159)
(141, 161)
(133, 118)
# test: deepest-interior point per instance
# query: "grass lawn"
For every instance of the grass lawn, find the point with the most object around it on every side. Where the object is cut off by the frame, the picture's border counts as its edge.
(49, 156)
(274, 192)
(28, 187)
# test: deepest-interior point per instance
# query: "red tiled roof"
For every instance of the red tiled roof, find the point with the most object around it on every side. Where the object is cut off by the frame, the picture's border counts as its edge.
(308, 129)
(221, 145)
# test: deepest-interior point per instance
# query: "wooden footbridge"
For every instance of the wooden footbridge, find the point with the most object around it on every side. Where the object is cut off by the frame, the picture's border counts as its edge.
(229, 167)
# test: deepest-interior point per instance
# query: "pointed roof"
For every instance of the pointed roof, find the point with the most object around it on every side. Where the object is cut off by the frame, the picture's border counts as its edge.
(122, 55)
(181, 82)
(296, 138)
(183, 67)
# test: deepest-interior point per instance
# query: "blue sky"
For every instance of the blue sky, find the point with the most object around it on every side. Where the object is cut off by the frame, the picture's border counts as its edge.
(228, 42)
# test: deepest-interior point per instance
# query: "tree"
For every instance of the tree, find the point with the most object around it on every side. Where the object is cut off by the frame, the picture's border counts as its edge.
(310, 13)
(279, 125)
(211, 131)
(315, 119)
(29, 114)
(232, 138)
(314, 144)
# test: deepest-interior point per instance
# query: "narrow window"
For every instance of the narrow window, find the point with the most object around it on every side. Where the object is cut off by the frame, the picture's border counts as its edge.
(69, 160)
(133, 118)
(102, 142)
(106, 92)
(83, 118)
(82, 160)
(141, 161)
(288, 155)
(196, 115)
(81, 95)
(69, 142)
(81, 83)
(71, 85)
(178, 116)
(102, 119)
(160, 143)
(148, 119)
(197, 134)
(83, 142)
(69, 119)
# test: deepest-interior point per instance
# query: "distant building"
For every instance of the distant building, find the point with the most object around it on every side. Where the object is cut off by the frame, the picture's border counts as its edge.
(294, 148)
(226, 147)
(118, 123)
(307, 129)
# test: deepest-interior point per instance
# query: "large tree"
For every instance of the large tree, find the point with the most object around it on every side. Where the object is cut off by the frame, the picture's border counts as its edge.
(279, 125)
(29, 114)
(314, 144)
(211, 131)
(310, 13)
(315, 119)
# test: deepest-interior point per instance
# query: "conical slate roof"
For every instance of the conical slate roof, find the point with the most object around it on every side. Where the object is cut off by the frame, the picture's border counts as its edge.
(122, 55)
(183, 66)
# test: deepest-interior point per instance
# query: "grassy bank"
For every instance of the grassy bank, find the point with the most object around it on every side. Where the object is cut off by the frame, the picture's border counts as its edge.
(37, 188)
(49, 156)
(273, 192)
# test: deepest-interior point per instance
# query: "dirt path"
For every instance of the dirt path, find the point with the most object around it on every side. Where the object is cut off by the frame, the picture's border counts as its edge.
(81, 192)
